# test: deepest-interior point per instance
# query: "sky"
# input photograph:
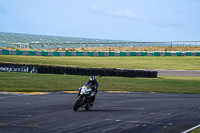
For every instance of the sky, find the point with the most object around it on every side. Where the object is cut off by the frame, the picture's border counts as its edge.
(130, 20)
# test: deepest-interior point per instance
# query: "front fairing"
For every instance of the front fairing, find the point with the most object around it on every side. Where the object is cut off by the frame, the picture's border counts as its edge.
(85, 89)
(84, 95)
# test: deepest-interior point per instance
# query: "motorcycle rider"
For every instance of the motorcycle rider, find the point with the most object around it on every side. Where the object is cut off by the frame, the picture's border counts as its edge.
(94, 85)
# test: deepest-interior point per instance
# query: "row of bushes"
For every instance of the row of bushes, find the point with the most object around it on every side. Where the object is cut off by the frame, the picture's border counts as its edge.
(89, 71)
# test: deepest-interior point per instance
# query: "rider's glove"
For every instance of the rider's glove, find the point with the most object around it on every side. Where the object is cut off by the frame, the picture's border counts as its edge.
(93, 94)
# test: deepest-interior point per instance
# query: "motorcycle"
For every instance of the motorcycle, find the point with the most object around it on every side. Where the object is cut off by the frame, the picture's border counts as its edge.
(84, 98)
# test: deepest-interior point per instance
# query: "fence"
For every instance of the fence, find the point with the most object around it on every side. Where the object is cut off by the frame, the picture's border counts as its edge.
(111, 44)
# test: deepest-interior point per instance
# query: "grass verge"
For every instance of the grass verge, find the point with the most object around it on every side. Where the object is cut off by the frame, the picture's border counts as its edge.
(195, 131)
(136, 62)
(49, 82)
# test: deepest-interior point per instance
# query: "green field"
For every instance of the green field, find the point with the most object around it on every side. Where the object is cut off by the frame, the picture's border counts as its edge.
(195, 131)
(137, 62)
(51, 82)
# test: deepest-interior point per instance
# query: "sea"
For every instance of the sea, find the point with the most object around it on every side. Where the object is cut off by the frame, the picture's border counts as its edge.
(51, 42)
(7, 39)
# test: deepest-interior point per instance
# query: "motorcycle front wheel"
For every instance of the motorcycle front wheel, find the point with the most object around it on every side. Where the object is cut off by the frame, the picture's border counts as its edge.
(76, 105)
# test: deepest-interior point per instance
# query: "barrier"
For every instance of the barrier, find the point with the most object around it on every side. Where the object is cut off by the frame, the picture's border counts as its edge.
(7, 67)
(96, 53)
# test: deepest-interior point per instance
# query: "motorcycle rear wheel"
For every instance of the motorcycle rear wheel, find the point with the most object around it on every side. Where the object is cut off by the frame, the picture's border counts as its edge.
(88, 107)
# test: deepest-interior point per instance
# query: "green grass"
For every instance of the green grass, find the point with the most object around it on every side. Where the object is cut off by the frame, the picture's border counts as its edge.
(51, 82)
(137, 62)
(195, 131)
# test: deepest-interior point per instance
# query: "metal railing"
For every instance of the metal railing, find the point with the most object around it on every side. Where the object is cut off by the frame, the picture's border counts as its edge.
(99, 45)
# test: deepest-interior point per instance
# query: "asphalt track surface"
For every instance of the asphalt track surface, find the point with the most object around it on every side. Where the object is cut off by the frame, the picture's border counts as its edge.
(112, 112)
(179, 72)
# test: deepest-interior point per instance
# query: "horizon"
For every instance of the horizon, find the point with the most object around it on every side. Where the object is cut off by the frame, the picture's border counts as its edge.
(58, 36)
(98, 38)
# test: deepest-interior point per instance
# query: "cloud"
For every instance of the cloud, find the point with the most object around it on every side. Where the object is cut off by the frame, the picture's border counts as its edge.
(132, 15)
(124, 13)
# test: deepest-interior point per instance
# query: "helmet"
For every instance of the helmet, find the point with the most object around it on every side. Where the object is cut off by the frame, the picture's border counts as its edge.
(92, 78)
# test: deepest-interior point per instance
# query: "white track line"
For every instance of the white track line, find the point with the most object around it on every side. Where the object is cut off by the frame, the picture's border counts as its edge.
(191, 129)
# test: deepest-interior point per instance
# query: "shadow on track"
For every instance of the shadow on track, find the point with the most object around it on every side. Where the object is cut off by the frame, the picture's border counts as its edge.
(100, 110)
